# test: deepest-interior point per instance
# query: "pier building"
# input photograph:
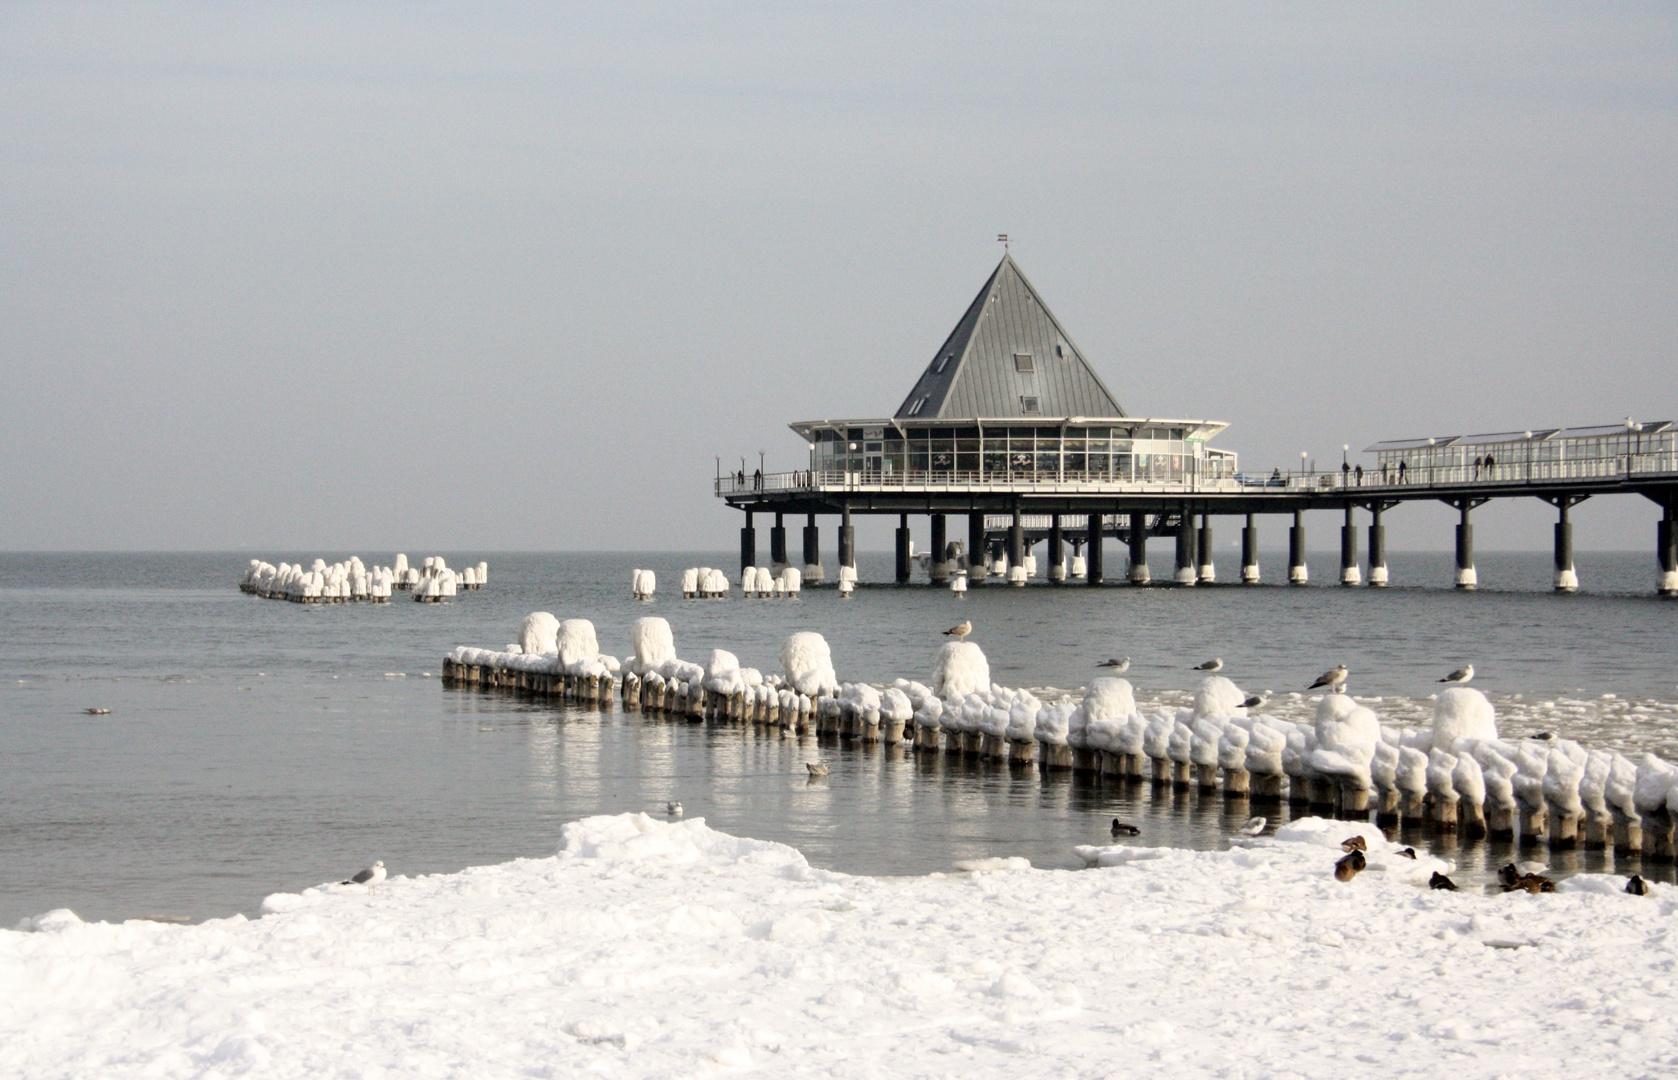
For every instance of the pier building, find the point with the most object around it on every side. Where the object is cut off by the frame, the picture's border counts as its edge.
(1010, 426)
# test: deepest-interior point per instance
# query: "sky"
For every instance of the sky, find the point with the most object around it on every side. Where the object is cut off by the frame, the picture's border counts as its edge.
(375, 277)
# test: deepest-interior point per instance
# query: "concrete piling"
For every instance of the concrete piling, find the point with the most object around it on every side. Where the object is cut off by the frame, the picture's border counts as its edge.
(939, 568)
(1349, 574)
(812, 552)
(1297, 574)
(1249, 553)
(1138, 547)
(1185, 548)
(1207, 570)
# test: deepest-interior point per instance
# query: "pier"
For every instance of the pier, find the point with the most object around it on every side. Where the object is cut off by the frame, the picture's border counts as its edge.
(1011, 428)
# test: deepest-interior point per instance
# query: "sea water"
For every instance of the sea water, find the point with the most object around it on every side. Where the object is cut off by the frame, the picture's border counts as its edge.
(255, 746)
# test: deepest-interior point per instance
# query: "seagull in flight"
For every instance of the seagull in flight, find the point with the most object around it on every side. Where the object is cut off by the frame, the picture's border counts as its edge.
(1334, 679)
(1460, 675)
(1210, 665)
(369, 877)
(1119, 666)
(960, 630)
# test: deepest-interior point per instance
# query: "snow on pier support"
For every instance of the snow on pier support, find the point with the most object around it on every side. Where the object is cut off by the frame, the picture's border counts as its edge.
(1186, 559)
(1138, 535)
(1349, 551)
(1249, 553)
(778, 545)
(812, 552)
(1377, 548)
(1092, 544)
(905, 550)
(1057, 550)
(1208, 571)
(939, 567)
(1297, 574)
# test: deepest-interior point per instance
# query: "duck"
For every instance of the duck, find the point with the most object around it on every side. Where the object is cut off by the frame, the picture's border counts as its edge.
(1441, 882)
(1122, 828)
(817, 769)
(1636, 886)
(1354, 843)
(97, 711)
(1348, 866)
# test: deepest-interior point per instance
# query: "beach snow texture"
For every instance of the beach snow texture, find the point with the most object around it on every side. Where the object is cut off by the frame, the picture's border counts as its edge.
(654, 949)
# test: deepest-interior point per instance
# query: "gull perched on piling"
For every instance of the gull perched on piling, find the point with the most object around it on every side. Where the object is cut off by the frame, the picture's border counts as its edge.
(1210, 665)
(1119, 666)
(960, 629)
(1460, 675)
(370, 876)
(1334, 679)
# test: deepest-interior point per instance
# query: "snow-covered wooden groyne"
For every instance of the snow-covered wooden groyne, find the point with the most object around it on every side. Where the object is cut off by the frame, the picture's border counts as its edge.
(353, 581)
(1455, 775)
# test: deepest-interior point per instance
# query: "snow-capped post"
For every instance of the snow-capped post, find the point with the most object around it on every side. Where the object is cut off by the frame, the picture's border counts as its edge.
(1466, 577)
(1249, 553)
(1208, 569)
(939, 568)
(1349, 574)
(813, 572)
(1138, 535)
(1297, 574)
(1377, 547)
(1185, 547)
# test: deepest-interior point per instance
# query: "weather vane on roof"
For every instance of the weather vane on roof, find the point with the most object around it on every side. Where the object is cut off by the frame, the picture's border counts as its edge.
(1002, 238)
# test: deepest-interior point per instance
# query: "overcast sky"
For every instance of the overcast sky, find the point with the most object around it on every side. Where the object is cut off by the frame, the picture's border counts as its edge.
(368, 277)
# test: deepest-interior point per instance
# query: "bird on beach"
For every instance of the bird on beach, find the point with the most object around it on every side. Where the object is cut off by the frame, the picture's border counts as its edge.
(817, 769)
(1441, 882)
(673, 808)
(1119, 666)
(370, 876)
(1354, 843)
(960, 630)
(1636, 886)
(1122, 828)
(1349, 866)
(1215, 664)
(1254, 826)
(1460, 675)
(1334, 679)
(97, 712)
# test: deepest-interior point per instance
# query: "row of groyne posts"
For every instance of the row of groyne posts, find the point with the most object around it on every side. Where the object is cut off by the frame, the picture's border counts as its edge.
(1456, 778)
(1000, 546)
(352, 581)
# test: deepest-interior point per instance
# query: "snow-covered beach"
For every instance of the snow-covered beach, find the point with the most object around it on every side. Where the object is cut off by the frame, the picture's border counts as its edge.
(655, 949)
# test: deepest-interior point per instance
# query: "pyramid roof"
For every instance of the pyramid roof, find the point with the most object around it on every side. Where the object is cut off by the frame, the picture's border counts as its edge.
(1007, 354)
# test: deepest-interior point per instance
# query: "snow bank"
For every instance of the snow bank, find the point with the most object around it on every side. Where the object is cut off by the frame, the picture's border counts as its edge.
(653, 949)
(961, 669)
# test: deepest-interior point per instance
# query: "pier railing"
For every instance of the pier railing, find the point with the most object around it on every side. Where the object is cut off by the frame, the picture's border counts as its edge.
(1661, 464)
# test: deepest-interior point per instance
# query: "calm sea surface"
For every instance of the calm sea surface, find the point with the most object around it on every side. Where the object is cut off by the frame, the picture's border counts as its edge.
(255, 746)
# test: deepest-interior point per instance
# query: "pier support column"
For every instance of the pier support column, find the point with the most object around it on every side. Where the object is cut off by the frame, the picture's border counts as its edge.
(1349, 551)
(1567, 580)
(1297, 574)
(978, 556)
(940, 566)
(1092, 543)
(778, 545)
(1466, 578)
(1249, 553)
(1377, 549)
(1079, 567)
(1016, 551)
(1138, 547)
(1208, 571)
(1185, 547)
(904, 560)
(812, 552)
(1666, 544)
(748, 543)
(847, 543)
(1057, 551)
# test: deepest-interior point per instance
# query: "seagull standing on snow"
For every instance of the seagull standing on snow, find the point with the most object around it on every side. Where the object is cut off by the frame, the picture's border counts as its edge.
(960, 630)
(1210, 665)
(1119, 666)
(1460, 675)
(369, 877)
(1334, 679)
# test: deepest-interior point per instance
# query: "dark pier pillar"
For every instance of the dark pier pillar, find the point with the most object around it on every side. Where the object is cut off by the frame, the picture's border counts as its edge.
(1138, 547)
(1297, 574)
(1349, 574)
(1016, 550)
(812, 552)
(748, 543)
(1185, 547)
(978, 555)
(847, 544)
(1208, 570)
(1567, 580)
(778, 545)
(1466, 577)
(1249, 553)
(1377, 549)
(1057, 551)
(940, 566)
(1666, 541)
(1079, 566)
(1092, 541)
(905, 561)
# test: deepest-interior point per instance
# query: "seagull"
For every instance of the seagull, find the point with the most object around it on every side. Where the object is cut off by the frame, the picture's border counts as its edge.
(674, 809)
(97, 712)
(1119, 666)
(1121, 828)
(817, 769)
(960, 629)
(369, 877)
(1253, 701)
(1210, 665)
(1334, 679)
(1460, 675)
(1254, 826)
